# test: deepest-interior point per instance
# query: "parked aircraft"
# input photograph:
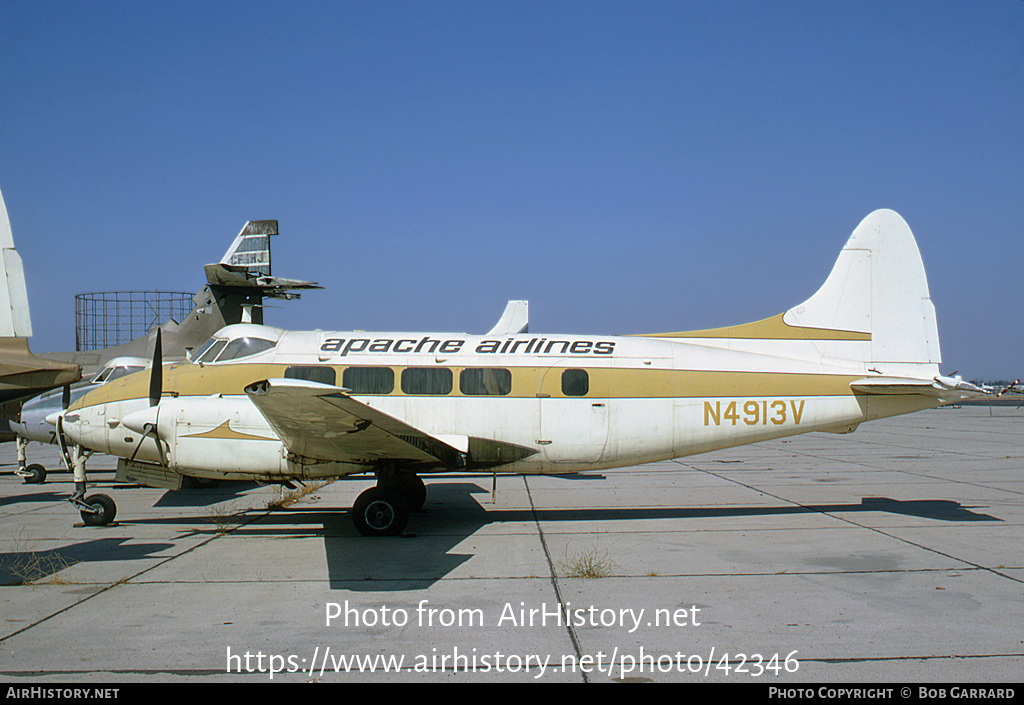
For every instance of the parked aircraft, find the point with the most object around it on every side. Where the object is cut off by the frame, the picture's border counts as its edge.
(22, 374)
(235, 289)
(261, 403)
(31, 424)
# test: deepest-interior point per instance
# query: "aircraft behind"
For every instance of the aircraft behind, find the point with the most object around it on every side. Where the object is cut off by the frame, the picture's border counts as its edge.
(234, 292)
(235, 289)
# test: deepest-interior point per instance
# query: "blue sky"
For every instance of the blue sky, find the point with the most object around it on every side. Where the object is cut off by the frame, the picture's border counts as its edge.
(628, 167)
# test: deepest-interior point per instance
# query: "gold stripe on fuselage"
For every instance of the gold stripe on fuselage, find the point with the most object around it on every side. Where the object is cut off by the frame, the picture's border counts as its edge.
(773, 328)
(189, 380)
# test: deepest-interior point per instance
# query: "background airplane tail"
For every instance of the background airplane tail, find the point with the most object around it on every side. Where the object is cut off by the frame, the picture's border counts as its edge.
(15, 321)
(878, 288)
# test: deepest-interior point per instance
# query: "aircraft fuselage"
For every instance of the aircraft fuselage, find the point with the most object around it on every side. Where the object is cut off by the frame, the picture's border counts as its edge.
(576, 402)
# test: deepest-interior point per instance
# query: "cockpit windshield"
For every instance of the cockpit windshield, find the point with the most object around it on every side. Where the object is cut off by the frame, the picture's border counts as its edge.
(220, 350)
(119, 367)
(244, 347)
(112, 373)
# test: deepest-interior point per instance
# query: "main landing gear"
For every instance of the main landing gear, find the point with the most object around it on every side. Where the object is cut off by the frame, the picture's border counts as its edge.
(383, 510)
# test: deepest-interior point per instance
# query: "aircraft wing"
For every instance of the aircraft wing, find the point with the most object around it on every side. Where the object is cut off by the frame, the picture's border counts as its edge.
(322, 422)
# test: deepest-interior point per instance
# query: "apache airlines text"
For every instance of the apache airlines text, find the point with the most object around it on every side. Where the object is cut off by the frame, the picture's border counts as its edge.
(426, 344)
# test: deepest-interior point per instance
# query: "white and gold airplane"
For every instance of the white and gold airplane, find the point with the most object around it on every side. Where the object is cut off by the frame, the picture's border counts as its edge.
(260, 403)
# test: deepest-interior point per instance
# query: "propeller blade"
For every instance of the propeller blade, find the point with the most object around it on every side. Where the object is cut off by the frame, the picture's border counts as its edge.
(65, 397)
(156, 375)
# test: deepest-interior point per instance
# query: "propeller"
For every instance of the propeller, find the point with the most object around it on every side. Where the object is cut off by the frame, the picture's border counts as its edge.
(145, 421)
(156, 376)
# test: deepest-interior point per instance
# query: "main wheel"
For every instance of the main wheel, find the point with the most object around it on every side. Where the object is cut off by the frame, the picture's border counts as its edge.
(36, 474)
(411, 486)
(380, 511)
(104, 510)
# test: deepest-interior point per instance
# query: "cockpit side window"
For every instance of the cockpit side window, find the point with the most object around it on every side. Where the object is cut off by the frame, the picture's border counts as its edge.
(209, 352)
(244, 347)
(199, 352)
(118, 372)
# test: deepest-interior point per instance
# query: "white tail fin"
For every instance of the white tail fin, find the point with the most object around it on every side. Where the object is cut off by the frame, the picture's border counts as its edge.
(514, 320)
(15, 321)
(878, 286)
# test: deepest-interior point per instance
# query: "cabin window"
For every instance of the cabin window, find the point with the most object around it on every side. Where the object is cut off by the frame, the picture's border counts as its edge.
(368, 380)
(575, 383)
(490, 381)
(427, 380)
(311, 373)
(244, 347)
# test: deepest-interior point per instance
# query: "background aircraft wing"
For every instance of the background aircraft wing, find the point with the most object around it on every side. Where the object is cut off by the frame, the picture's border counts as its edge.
(322, 422)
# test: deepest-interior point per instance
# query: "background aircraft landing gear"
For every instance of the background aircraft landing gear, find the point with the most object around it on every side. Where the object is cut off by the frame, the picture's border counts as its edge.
(34, 474)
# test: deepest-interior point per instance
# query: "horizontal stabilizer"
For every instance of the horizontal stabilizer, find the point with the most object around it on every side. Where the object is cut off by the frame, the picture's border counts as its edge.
(948, 389)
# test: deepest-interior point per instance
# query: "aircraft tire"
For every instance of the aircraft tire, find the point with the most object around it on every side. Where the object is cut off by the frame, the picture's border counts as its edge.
(37, 474)
(380, 511)
(412, 488)
(106, 510)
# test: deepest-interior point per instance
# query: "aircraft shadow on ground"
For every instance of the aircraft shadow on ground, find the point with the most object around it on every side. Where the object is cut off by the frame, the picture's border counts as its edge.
(46, 497)
(424, 554)
(25, 566)
(204, 496)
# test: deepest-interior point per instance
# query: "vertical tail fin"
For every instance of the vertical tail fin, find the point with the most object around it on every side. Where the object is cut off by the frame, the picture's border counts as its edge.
(878, 286)
(15, 321)
(514, 320)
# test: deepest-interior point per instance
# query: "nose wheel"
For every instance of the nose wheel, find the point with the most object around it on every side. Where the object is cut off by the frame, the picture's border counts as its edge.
(96, 510)
(34, 474)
